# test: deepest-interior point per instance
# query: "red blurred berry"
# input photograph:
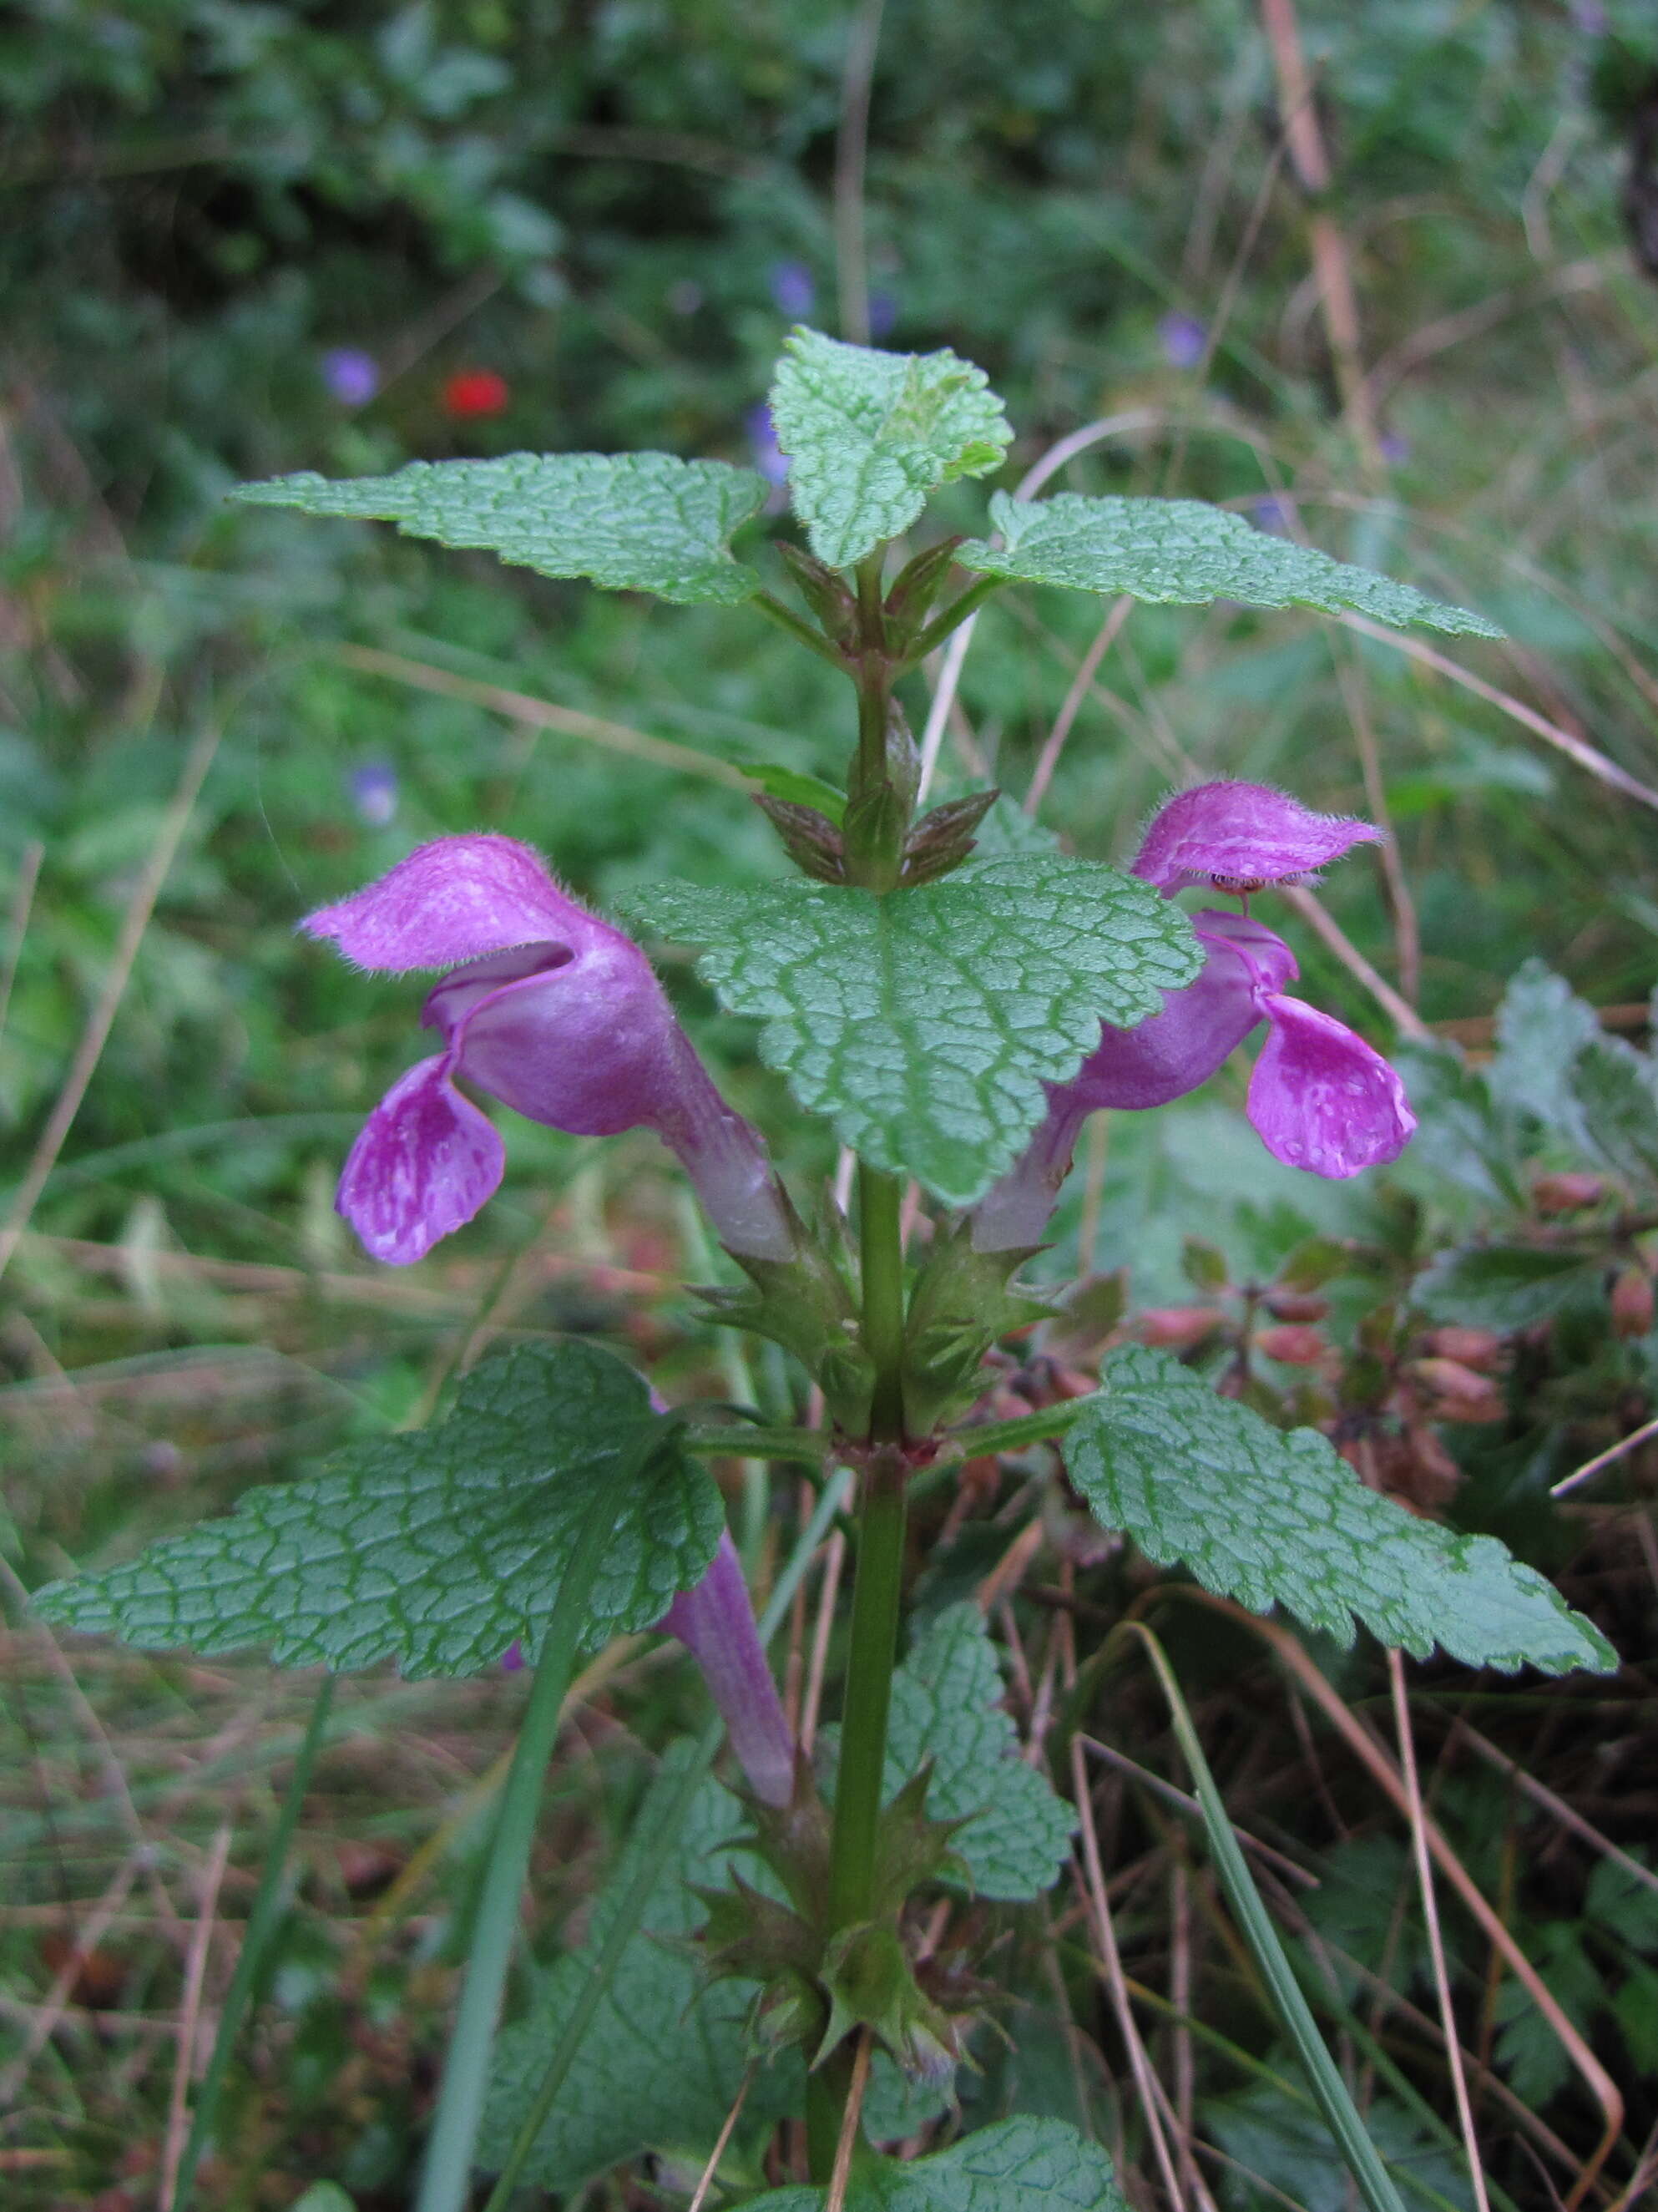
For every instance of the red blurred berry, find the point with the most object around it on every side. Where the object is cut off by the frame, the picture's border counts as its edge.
(1298, 1343)
(1566, 1193)
(1479, 1348)
(1632, 1302)
(1175, 1326)
(475, 392)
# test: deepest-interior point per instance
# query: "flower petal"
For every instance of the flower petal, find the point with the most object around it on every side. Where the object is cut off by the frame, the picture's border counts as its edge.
(453, 900)
(426, 1161)
(1244, 832)
(716, 1623)
(1199, 1027)
(1320, 1098)
(588, 1042)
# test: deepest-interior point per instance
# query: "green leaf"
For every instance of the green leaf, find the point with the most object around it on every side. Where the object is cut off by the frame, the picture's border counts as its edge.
(1015, 2166)
(925, 1022)
(1184, 552)
(659, 2022)
(633, 522)
(1501, 1287)
(946, 1706)
(438, 1549)
(1274, 1519)
(1541, 1027)
(870, 435)
(1615, 1091)
(324, 2196)
(800, 789)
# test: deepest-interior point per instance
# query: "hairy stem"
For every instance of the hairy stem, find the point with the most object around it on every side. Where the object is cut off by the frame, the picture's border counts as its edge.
(877, 1598)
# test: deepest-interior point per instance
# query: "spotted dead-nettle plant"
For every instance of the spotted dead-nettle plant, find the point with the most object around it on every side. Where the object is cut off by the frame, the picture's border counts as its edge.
(956, 1006)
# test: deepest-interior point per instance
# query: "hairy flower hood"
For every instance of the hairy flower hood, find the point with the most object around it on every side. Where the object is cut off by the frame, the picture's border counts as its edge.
(1319, 1098)
(1237, 835)
(546, 1008)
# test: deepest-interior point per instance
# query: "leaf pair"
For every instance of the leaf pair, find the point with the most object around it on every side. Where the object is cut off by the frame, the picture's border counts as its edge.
(870, 436)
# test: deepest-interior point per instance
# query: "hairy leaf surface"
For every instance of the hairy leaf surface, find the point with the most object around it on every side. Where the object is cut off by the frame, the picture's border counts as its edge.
(665, 2053)
(438, 1549)
(633, 522)
(868, 435)
(1187, 553)
(1015, 2165)
(946, 1706)
(925, 1022)
(1274, 1519)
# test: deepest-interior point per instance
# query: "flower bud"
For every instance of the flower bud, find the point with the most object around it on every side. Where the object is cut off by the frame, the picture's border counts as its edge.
(1632, 1302)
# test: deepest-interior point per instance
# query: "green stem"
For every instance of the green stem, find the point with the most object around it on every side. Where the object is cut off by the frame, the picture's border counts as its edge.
(881, 1265)
(261, 1921)
(967, 603)
(652, 1867)
(876, 1600)
(810, 1446)
(445, 2177)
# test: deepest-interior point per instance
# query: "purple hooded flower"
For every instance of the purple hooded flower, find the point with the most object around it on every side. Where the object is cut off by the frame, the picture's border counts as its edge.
(770, 458)
(1184, 339)
(716, 1623)
(352, 375)
(792, 291)
(373, 788)
(1320, 1098)
(552, 1011)
(1240, 837)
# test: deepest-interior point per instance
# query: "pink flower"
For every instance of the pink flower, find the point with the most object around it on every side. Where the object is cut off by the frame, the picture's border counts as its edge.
(716, 1623)
(1320, 1098)
(552, 1011)
(1231, 837)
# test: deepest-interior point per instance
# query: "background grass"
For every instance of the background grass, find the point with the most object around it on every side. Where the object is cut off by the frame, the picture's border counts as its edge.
(212, 719)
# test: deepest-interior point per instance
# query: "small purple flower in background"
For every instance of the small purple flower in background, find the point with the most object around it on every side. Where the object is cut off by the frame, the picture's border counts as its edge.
(716, 1623)
(548, 1010)
(768, 456)
(512, 1659)
(351, 375)
(882, 313)
(1393, 446)
(373, 788)
(1184, 340)
(685, 297)
(792, 291)
(1320, 1098)
(1273, 514)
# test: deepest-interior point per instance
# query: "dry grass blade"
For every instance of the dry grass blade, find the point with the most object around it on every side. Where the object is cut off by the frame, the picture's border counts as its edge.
(1363, 1744)
(723, 2137)
(1604, 1459)
(543, 714)
(189, 2009)
(101, 1019)
(1576, 749)
(841, 2174)
(1110, 1962)
(1404, 1018)
(1540, 1794)
(17, 921)
(52, 2011)
(1424, 1877)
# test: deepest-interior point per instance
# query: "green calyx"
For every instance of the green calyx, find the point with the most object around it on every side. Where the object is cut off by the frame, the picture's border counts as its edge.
(818, 1983)
(803, 1304)
(963, 1303)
